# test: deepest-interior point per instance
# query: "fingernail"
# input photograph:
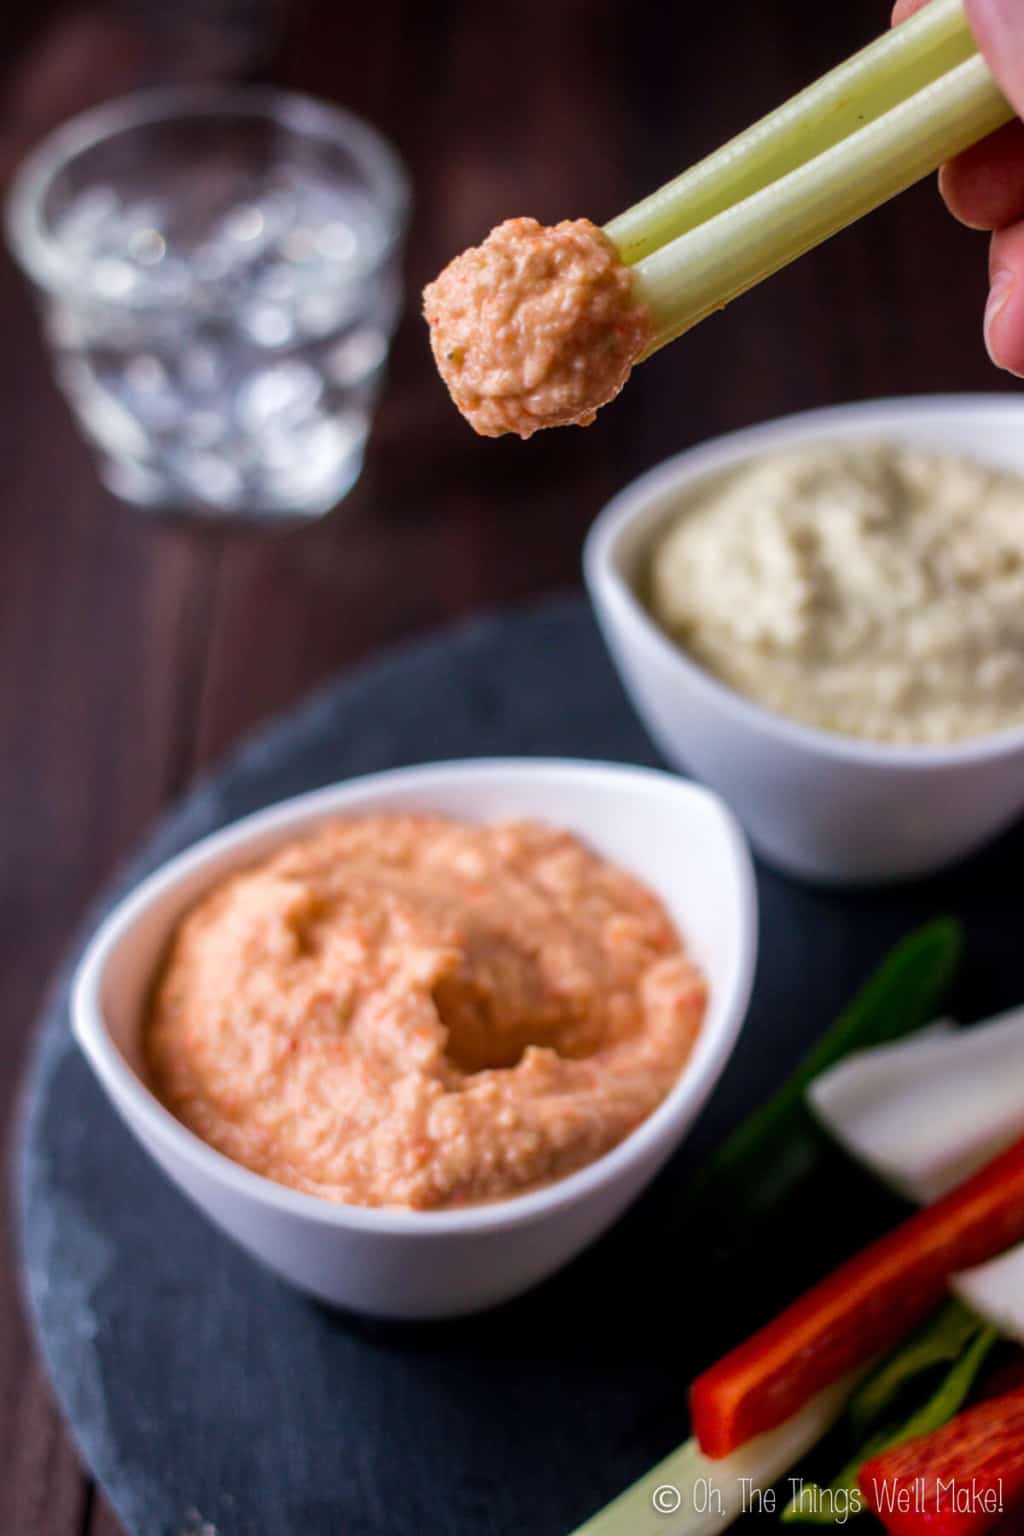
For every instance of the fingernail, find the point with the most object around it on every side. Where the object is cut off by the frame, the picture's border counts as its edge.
(999, 297)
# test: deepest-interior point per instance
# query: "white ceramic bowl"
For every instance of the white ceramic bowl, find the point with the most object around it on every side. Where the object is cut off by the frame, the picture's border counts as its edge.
(821, 806)
(407, 1264)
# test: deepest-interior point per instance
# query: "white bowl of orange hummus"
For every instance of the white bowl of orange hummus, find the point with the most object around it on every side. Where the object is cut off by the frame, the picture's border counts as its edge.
(416, 1040)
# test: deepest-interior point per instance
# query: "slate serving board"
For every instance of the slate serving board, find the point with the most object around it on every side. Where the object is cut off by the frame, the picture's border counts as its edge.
(207, 1397)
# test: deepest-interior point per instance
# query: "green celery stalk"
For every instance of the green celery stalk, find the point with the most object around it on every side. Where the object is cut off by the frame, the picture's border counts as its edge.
(703, 270)
(688, 1494)
(858, 92)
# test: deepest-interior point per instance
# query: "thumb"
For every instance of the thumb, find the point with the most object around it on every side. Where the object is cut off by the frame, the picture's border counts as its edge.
(998, 26)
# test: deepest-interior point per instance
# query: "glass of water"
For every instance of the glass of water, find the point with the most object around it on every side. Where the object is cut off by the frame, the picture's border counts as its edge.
(220, 275)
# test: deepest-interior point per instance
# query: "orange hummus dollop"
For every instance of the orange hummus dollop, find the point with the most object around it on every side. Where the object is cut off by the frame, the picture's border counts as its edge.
(410, 1011)
(537, 327)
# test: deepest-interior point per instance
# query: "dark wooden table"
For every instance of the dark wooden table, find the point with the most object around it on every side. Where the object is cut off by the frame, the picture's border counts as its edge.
(132, 656)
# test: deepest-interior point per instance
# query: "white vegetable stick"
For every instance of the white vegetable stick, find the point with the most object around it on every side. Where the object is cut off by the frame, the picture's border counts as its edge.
(995, 1291)
(688, 1494)
(926, 1114)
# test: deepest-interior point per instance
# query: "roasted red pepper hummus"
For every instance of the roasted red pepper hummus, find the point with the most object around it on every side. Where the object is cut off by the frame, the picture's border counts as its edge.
(404, 1010)
(535, 328)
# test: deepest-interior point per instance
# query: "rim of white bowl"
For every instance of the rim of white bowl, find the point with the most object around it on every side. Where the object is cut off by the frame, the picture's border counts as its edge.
(706, 459)
(696, 1082)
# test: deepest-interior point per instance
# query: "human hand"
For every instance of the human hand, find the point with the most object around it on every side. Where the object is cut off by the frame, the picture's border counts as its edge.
(984, 188)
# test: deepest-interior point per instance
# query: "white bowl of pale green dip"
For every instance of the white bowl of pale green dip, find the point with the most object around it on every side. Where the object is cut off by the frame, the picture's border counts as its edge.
(823, 617)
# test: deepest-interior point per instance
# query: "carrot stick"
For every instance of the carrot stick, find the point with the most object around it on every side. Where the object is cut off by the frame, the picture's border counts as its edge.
(961, 1481)
(862, 1309)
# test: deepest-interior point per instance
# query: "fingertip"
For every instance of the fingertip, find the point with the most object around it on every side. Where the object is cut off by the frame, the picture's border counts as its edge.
(998, 26)
(984, 187)
(904, 9)
(1004, 314)
(956, 192)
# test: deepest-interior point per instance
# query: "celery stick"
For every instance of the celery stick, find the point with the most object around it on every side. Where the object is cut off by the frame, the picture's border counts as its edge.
(685, 281)
(688, 1494)
(859, 91)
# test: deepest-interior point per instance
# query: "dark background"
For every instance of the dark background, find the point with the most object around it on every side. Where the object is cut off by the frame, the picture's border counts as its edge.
(131, 656)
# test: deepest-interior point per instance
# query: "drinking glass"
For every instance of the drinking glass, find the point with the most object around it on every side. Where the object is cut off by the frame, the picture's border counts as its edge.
(219, 269)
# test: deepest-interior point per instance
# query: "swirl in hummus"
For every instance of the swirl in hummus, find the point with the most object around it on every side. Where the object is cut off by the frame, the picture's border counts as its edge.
(537, 327)
(406, 1010)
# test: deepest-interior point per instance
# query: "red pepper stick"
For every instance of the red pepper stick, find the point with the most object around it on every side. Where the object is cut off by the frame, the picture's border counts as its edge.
(966, 1479)
(862, 1309)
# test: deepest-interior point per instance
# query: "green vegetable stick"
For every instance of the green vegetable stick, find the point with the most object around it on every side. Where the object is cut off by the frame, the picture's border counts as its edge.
(703, 270)
(771, 1154)
(859, 91)
(941, 1342)
(843, 1498)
